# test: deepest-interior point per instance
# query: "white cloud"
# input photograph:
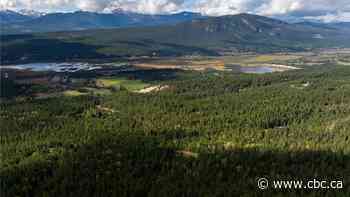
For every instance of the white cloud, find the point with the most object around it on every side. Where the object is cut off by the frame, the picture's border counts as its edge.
(47, 5)
(143, 6)
(298, 8)
(7, 4)
(278, 7)
(91, 5)
(147, 6)
(219, 7)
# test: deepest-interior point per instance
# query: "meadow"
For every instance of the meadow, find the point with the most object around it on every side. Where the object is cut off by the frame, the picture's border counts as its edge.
(112, 82)
(211, 133)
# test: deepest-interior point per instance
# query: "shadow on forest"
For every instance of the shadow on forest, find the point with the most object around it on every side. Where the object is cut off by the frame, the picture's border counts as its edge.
(16, 37)
(154, 75)
(138, 166)
(168, 49)
(34, 49)
(151, 75)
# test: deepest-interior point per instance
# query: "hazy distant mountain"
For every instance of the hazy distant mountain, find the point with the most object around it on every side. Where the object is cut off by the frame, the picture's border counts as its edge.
(89, 20)
(342, 26)
(316, 24)
(30, 21)
(210, 36)
(8, 16)
(241, 32)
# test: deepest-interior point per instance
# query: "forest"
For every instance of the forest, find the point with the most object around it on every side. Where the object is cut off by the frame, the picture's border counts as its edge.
(209, 133)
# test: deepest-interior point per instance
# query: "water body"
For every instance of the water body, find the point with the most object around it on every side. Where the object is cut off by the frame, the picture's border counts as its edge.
(56, 67)
(251, 69)
(257, 70)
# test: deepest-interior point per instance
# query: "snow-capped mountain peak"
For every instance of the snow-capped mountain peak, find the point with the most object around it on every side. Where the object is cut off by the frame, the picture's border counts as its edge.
(31, 13)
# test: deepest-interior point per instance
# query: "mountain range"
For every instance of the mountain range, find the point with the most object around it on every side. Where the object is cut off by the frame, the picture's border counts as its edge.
(14, 23)
(8, 16)
(202, 36)
(30, 21)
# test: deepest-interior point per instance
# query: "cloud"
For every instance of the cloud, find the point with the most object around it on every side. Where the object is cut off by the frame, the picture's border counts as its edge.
(148, 6)
(302, 7)
(278, 7)
(91, 5)
(219, 7)
(325, 9)
(142, 6)
(7, 4)
(46, 5)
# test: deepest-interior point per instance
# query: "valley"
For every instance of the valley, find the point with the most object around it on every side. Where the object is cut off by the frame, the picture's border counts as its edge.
(125, 104)
(215, 36)
(48, 80)
(146, 122)
(79, 78)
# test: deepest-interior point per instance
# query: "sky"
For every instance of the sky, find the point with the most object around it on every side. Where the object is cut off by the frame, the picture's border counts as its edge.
(325, 10)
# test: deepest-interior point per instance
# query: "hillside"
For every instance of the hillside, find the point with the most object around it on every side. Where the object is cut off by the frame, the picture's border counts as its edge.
(206, 134)
(90, 20)
(344, 25)
(211, 36)
(8, 16)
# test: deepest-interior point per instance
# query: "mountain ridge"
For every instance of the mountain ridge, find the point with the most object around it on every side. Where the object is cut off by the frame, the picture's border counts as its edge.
(29, 21)
(82, 20)
(206, 36)
(32, 13)
(9, 16)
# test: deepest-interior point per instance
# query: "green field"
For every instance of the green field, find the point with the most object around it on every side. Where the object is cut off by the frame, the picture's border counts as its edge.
(131, 85)
(73, 93)
(210, 134)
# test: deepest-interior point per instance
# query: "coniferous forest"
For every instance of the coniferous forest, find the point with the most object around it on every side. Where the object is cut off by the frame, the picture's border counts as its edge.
(209, 133)
(174, 98)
